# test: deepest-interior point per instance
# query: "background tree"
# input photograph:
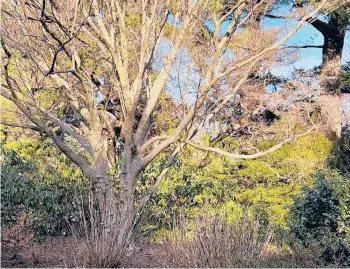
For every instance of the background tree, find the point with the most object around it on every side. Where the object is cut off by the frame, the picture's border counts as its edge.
(333, 28)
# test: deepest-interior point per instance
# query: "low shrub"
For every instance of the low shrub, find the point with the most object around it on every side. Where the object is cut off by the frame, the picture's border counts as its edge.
(322, 215)
(52, 204)
(212, 241)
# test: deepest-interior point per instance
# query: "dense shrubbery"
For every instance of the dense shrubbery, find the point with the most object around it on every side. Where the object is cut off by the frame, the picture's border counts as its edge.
(51, 205)
(322, 215)
(340, 158)
(263, 187)
(323, 208)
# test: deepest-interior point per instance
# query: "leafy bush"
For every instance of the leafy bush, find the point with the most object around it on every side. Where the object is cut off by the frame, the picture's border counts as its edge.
(322, 215)
(52, 203)
(340, 158)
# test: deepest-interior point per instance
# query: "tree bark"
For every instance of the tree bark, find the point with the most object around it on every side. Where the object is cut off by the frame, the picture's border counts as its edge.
(331, 71)
(103, 188)
(334, 35)
(331, 57)
(116, 200)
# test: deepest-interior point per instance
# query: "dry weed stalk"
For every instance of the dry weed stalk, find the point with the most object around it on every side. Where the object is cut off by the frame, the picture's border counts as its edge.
(96, 239)
(214, 242)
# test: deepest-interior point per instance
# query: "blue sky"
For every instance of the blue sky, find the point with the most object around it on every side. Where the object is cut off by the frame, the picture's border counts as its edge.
(307, 35)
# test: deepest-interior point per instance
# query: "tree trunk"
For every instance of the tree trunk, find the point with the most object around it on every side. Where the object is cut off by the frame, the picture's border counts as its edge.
(330, 78)
(334, 36)
(103, 188)
(113, 232)
(116, 197)
(127, 187)
(331, 62)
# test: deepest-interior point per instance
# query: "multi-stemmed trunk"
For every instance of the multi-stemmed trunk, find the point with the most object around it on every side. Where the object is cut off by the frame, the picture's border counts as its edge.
(115, 196)
(114, 222)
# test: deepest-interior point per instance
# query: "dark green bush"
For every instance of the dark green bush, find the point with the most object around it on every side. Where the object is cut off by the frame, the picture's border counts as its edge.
(53, 204)
(340, 158)
(322, 215)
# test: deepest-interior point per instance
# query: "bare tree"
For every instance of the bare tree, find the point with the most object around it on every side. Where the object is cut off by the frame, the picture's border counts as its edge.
(54, 54)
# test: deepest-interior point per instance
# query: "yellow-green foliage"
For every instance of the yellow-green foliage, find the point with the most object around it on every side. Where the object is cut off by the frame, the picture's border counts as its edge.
(266, 185)
(133, 20)
(279, 176)
(217, 6)
(169, 29)
(273, 201)
(88, 56)
(27, 148)
(166, 123)
(46, 155)
(47, 98)
(8, 109)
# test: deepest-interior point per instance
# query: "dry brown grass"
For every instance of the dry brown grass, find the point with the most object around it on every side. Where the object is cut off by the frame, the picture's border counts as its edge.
(210, 243)
(213, 242)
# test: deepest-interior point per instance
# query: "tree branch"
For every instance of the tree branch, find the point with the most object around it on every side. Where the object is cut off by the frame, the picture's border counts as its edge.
(248, 156)
(191, 114)
(303, 47)
(78, 160)
(152, 140)
(160, 177)
(21, 125)
(162, 79)
(271, 16)
(319, 25)
(71, 132)
(257, 56)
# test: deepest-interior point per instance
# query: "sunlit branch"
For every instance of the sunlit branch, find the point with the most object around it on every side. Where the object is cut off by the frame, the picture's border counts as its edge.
(248, 156)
